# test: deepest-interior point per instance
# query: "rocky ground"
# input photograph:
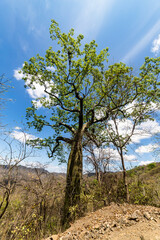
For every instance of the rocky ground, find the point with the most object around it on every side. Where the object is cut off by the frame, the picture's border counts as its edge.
(116, 222)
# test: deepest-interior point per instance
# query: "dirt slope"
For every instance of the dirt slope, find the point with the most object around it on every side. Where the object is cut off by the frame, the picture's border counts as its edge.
(116, 222)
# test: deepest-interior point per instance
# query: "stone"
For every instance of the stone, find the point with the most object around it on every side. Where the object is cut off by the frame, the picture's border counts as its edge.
(114, 224)
(123, 220)
(134, 216)
(67, 237)
(147, 215)
(97, 227)
(124, 210)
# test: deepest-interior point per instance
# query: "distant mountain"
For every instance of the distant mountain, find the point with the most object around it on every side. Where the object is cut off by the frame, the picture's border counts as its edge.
(23, 170)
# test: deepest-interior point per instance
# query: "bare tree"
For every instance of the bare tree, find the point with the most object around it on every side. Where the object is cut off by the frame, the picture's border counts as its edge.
(14, 153)
(121, 138)
(99, 158)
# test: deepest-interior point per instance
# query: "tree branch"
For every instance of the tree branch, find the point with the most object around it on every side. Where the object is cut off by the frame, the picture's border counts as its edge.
(58, 139)
(68, 127)
(60, 102)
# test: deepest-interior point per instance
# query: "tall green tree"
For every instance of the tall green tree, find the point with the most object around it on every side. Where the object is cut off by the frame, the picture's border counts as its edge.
(82, 94)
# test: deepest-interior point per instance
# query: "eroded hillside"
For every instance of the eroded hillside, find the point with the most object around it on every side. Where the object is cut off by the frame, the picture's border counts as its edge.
(116, 222)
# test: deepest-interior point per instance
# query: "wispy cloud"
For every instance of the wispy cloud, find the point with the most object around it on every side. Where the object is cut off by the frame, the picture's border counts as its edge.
(114, 155)
(156, 45)
(142, 43)
(91, 16)
(145, 130)
(145, 162)
(21, 136)
(58, 169)
(147, 148)
(47, 4)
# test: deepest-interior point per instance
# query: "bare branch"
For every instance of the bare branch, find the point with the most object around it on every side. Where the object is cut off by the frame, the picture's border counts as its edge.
(58, 139)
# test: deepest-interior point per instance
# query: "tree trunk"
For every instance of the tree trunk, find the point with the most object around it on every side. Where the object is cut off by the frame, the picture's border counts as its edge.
(124, 177)
(73, 182)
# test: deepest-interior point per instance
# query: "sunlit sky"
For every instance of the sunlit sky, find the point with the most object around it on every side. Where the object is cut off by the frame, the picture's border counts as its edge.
(131, 30)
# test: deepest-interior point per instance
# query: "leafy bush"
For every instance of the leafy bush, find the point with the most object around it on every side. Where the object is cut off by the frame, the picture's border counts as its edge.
(151, 166)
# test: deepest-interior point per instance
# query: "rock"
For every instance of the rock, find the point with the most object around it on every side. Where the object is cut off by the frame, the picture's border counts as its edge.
(138, 213)
(105, 226)
(147, 215)
(67, 237)
(53, 237)
(97, 227)
(114, 224)
(123, 220)
(154, 219)
(124, 210)
(142, 237)
(101, 232)
(112, 204)
(87, 235)
(134, 216)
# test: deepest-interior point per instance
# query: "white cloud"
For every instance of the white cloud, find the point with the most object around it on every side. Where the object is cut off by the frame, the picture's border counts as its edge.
(149, 127)
(143, 131)
(145, 162)
(17, 128)
(21, 136)
(130, 158)
(17, 74)
(156, 45)
(36, 103)
(38, 91)
(147, 148)
(124, 126)
(131, 107)
(142, 43)
(52, 69)
(48, 166)
(58, 169)
(114, 155)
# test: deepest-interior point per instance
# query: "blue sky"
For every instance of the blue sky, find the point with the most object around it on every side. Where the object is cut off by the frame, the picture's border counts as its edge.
(131, 30)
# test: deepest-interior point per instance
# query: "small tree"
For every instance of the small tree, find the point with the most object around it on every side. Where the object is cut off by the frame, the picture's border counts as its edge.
(77, 86)
(14, 153)
(99, 158)
(130, 117)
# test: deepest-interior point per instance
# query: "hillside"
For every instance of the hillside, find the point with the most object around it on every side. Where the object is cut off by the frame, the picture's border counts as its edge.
(124, 221)
(116, 222)
(36, 200)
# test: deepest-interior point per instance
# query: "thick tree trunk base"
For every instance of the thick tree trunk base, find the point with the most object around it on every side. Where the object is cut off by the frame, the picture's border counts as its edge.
(73, 185)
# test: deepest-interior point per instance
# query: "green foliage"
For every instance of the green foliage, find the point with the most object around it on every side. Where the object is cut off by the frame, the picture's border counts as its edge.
(144, 184)
(151, 166)
(79, 86)
(141, 194)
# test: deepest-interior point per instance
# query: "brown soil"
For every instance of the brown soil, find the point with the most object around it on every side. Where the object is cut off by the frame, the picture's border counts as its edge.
(116, 222)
